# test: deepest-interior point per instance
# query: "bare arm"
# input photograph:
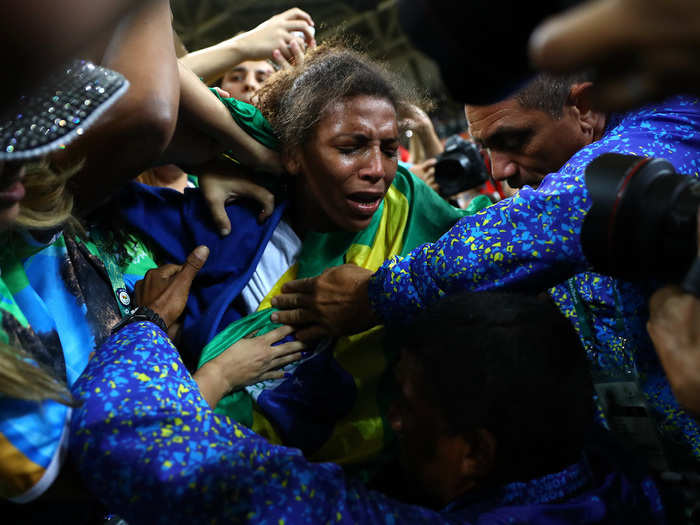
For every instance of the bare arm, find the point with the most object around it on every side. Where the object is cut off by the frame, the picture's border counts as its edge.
(205, 128)
(257, 44)
(134, 133)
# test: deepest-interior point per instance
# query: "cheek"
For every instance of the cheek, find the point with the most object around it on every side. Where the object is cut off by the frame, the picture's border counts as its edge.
(8, 216)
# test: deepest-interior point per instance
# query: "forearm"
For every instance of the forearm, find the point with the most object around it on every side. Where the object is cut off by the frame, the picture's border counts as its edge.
(211, 384)
(133, 134)
(211, 63)
(515, 244)
(143, 429)
(432, 146)
(203, 117)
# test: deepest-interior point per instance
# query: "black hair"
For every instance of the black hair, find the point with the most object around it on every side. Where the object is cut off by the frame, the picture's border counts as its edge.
(294, 100)
(549, 93)
(511, 364)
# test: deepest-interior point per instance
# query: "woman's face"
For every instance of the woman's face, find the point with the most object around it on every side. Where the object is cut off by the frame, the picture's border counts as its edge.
(11, 192)
(347, 166)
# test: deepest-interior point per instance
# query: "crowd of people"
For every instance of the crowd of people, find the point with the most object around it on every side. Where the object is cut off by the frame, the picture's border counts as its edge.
(224, 297)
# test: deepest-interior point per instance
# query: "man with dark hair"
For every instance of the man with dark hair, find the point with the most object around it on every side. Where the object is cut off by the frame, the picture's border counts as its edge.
(532, 242)
(535, 131)
(491, 431)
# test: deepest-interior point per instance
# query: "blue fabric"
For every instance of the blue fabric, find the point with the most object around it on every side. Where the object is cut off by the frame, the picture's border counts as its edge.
(532, 242)
(147, 443)
(174, 225)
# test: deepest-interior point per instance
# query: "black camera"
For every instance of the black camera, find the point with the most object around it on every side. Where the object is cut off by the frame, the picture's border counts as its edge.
(460, 167)
(643, 221)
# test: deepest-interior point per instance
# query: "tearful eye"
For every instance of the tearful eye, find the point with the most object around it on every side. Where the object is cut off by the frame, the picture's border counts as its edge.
(347, 149)
(392, 153)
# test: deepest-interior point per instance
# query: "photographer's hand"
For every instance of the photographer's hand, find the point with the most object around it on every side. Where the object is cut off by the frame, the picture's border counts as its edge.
(674, 327)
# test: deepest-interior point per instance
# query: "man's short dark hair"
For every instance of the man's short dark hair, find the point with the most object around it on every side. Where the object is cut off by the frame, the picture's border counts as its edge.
(512, 364)
(549, 93)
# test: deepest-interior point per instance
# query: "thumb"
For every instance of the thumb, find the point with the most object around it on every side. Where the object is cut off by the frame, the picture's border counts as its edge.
(193, 264)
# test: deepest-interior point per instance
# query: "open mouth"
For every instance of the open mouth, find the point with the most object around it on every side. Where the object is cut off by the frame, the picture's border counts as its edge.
(365, 202)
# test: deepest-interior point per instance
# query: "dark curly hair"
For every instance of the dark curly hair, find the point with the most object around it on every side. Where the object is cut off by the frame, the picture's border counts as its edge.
(294, 100)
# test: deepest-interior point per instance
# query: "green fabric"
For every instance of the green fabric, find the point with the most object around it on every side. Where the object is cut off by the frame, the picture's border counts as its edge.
(324, 250)
(249, 118)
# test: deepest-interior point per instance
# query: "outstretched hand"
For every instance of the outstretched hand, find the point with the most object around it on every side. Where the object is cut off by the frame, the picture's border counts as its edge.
(334, 303)
(165, 289)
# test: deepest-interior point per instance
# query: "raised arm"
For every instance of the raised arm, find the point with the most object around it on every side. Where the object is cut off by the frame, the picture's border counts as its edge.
(135, 132)
(259, 43)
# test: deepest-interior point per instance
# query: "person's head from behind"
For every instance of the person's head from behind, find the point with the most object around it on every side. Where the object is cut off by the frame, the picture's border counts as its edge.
(336, 117)
(245, 79)
(538, 129)
(493, 388)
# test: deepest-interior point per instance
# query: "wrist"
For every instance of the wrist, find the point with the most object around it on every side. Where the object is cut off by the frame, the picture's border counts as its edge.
(139, 314)
(238, 49)
(211, 382)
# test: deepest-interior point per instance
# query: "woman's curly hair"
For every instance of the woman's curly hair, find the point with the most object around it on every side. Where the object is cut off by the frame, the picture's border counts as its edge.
(294, 99)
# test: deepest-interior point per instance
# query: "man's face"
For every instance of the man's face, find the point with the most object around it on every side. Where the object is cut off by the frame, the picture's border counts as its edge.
(245, 79)
(429, 455)
(525, 144)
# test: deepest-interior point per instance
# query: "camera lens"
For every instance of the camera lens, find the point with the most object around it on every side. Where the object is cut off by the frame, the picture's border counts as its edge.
(642, 224)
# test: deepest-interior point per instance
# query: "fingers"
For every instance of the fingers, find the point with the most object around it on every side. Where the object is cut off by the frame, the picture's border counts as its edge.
(216, 201)
(277, 334)
(262, 195)
(279, 362)
(293, 317)
(430, 163)
(300, 285)
(292, 347)
(288, 301)
(221, 92)
(298, 14)
(297, 51)
(309, 32)
(279, 60)
(286, 52)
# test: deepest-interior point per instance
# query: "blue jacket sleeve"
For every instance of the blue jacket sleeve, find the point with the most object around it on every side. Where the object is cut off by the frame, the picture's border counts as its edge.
(151, 448)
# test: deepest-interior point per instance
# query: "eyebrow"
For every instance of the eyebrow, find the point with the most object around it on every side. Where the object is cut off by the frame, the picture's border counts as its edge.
(362, 136)
(499, 139)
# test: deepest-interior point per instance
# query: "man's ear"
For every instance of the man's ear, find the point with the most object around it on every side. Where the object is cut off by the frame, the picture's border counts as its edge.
(580, 101)
(479, 456)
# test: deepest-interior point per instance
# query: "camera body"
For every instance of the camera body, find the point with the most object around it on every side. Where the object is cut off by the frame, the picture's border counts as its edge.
(460, 167)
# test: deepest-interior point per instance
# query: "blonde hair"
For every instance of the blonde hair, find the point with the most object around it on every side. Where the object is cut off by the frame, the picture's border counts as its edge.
(47, 204)
(22, 379)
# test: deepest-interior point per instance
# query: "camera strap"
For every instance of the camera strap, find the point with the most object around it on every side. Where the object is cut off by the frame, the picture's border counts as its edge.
(618, 391)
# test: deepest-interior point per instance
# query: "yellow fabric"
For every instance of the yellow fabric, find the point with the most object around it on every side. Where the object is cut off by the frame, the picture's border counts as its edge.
(287, 276)
(360, 434)
(388, 240)
(18, 473)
